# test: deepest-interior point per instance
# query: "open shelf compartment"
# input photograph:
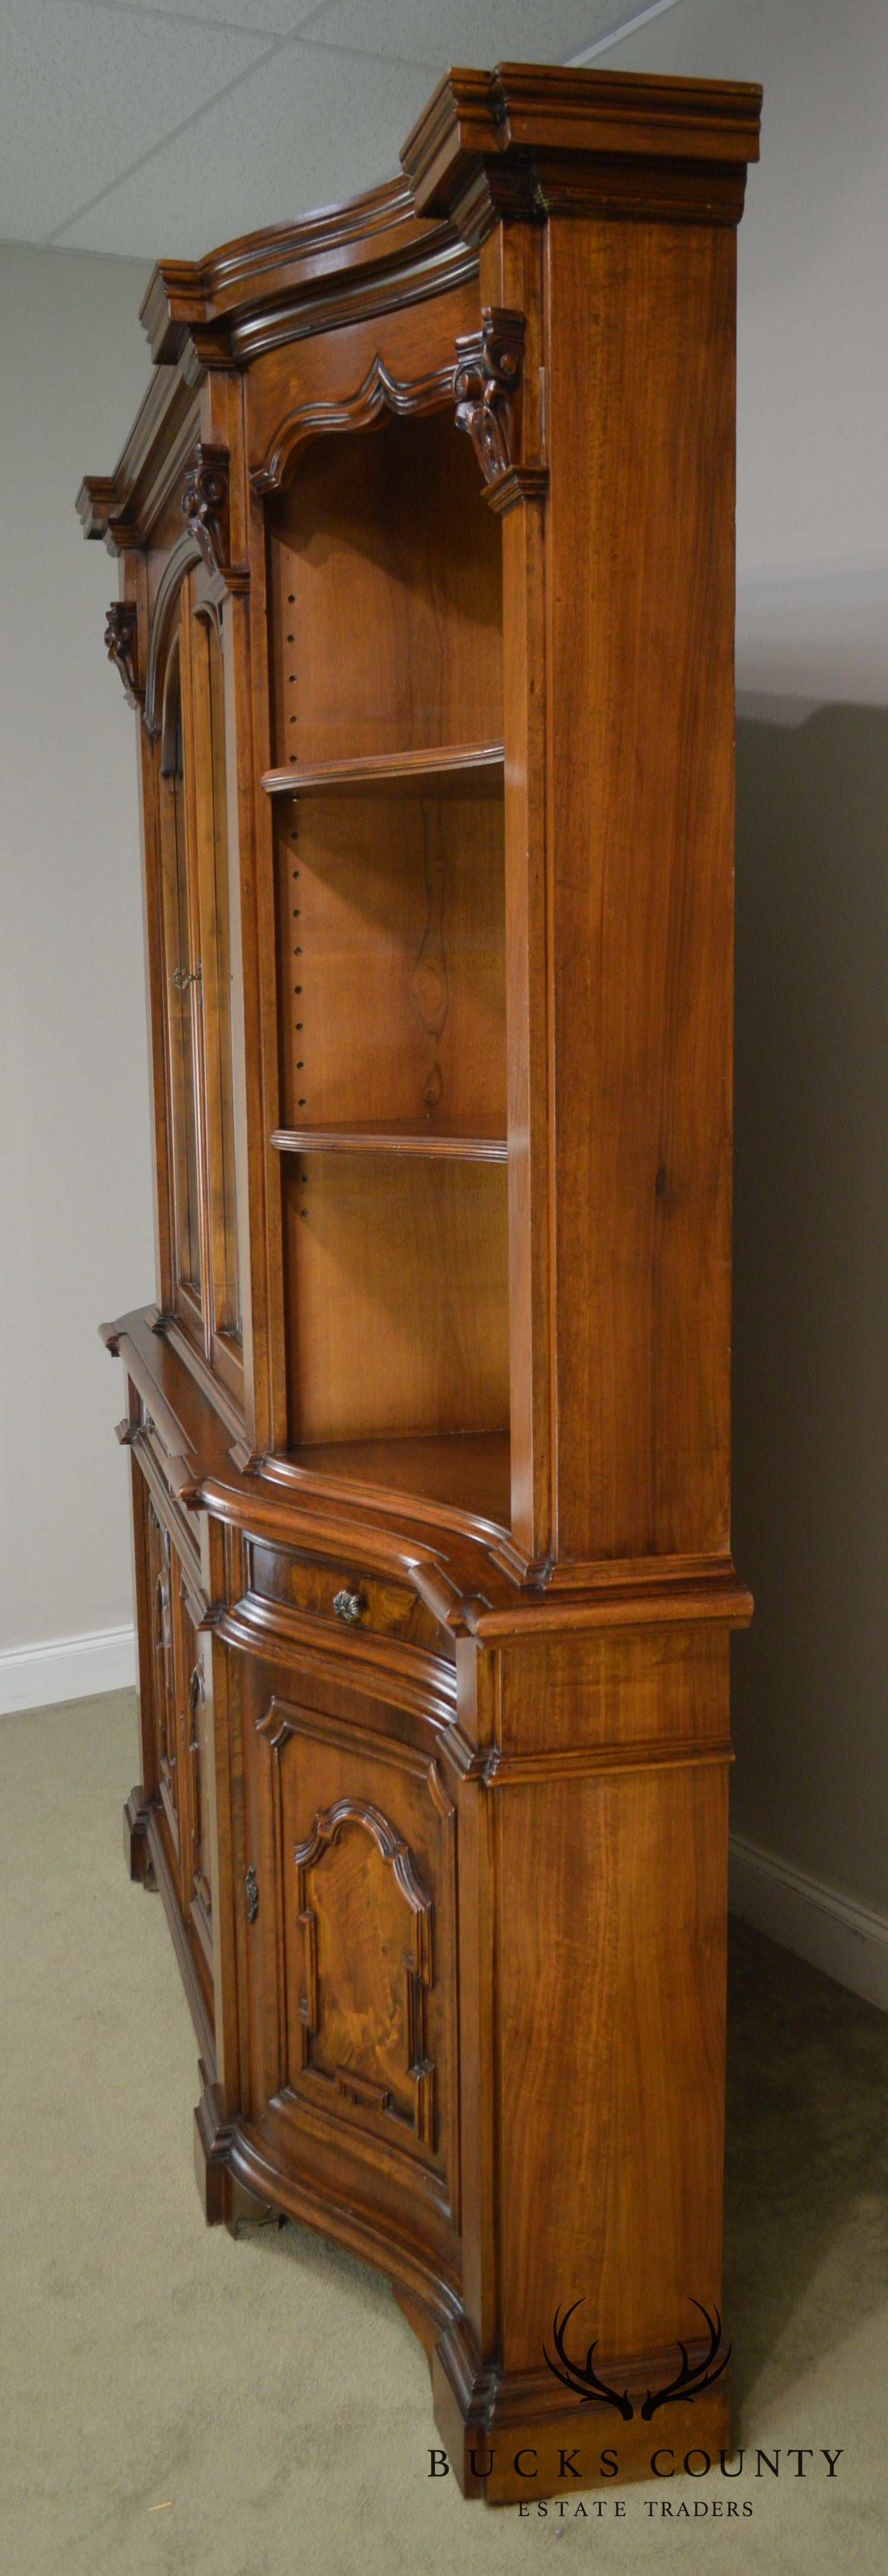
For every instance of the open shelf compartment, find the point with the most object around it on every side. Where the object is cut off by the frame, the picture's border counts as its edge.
(387, 798)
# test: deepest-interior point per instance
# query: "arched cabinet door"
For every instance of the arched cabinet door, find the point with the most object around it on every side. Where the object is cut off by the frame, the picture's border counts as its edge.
(200, 949)
(348, 1908)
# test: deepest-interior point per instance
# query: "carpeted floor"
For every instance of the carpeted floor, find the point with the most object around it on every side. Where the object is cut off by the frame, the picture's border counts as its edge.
(174, 2401)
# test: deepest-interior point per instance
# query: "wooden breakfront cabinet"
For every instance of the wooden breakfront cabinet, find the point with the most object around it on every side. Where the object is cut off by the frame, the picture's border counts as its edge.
(425, 533)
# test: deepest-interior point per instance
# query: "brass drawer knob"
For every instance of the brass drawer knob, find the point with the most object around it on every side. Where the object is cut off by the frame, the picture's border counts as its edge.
(349, 1606)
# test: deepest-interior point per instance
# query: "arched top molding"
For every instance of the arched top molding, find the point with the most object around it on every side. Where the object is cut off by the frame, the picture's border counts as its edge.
(484, 384)
(169, 721)
(347, 263)
(183, 557)
(326, 1830)
(205, 541)
(378, 393)
(522, 143)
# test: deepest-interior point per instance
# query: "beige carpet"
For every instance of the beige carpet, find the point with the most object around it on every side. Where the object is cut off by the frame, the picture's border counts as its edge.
(174, 2401)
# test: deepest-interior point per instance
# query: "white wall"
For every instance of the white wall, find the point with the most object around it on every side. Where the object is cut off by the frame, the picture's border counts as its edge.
(74, 1142)
(812, 396)
(812, 456)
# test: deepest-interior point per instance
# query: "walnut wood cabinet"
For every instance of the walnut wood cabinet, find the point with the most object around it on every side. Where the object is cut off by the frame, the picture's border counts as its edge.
(425, 536)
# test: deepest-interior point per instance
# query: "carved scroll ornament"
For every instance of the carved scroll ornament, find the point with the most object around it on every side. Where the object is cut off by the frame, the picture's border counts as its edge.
(122, 645)
(486, 380)
(205, 505)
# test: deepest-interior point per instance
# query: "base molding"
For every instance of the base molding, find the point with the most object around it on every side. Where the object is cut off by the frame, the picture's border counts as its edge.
(157, 1861)
(510, 2440)
(136, 1853)
(845, 1940)
(226, 2202)
(66, 1668)
(421, 2323)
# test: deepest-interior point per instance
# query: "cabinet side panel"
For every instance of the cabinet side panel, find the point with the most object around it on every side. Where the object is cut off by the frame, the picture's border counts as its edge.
(611, 2021)
(619, 1692)
(641, 610)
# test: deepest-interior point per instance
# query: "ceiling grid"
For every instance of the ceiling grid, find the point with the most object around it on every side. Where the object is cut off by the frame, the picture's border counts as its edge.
(164, 126)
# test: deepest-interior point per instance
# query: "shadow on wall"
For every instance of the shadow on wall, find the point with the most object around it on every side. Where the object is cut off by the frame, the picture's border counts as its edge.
(811, 1294)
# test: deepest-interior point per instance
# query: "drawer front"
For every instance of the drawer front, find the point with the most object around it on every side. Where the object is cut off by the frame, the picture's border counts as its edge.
(347, 1599)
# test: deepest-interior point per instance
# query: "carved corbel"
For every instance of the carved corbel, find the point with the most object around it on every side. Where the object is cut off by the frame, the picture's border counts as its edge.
(122, 646)
(487, 384)
(486, 380)
(205, 501)
(205, 504)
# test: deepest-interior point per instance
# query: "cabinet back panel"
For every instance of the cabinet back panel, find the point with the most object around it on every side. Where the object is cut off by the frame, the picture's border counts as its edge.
(391, 949)
(385, 596)
(396, 1292)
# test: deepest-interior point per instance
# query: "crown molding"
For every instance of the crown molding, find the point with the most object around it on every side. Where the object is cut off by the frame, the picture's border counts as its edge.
(525, 141)
(347, 263)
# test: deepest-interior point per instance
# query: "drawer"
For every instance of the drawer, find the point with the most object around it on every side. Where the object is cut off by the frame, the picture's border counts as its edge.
(346, 1599)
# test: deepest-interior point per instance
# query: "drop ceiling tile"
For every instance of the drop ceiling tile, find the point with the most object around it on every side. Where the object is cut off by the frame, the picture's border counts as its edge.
(439, 32)
(85, 91)
(263, 17)
(305, 128)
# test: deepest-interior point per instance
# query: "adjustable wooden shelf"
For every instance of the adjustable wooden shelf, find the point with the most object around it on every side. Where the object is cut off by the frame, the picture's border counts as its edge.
(454, 765)
(425, 533)
(389, 1140)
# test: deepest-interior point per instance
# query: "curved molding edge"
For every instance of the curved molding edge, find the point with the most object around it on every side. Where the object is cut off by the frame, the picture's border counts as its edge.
(178, 563)
(379, 392)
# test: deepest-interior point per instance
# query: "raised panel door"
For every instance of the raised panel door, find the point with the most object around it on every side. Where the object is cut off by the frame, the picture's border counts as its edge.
(166, 1784)
(352, 1958)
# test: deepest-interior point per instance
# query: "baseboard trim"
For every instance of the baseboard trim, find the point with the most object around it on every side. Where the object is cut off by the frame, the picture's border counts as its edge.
(66, 1668)
(848, 1941)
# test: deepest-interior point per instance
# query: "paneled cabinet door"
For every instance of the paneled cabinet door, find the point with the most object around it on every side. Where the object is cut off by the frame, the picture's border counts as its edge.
(166, 1781)
(351, 1908)
(197, 1891)
(176, 1747)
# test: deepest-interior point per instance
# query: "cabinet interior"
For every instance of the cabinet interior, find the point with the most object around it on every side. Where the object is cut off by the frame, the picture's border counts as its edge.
(385, 604)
